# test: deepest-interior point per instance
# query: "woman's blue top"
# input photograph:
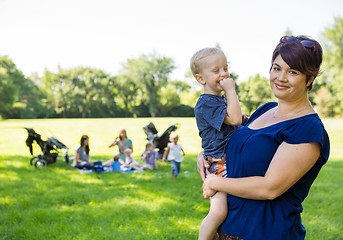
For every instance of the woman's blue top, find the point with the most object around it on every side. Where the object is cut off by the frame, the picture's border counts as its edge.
(249, 153)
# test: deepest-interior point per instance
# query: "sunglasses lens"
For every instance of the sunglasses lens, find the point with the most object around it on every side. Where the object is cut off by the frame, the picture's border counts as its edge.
(287, 39)
(307, 43)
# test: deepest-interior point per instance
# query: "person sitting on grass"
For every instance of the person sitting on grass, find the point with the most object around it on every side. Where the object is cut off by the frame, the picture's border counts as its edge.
(130, 161)
(149, 157)
(82, 157)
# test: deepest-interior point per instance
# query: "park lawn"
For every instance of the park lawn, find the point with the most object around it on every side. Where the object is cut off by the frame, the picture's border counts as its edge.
(58, 202)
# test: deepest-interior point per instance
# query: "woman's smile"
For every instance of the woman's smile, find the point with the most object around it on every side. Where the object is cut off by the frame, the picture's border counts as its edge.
(279, 86)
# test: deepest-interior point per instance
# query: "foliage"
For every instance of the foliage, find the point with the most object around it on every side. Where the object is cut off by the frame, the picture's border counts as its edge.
(254, 93)
(144, 88)
(324, 103)
(19, 96)
(333, 62)
(150, 72)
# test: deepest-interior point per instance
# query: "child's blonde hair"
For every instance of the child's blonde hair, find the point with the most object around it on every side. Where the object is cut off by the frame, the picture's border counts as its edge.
(174, 135)
(128, 150)
(201, 54)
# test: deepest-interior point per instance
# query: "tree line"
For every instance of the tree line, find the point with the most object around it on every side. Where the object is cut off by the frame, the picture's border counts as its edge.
(144, 88)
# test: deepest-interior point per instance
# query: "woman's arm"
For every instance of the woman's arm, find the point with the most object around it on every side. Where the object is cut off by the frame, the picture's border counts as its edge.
(289, 164)
(113, 144)
(77, 157)
(131, 146)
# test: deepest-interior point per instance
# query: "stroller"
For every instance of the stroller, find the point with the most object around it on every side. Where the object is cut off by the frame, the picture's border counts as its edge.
(50, 149)
(160, 141)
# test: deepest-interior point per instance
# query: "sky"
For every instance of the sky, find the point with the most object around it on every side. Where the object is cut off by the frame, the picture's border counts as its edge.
(39, 35)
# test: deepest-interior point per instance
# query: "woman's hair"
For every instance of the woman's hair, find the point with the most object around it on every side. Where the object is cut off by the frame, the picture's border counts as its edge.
(201, 54)
(301, 53)
(124, 131)
(82, 143)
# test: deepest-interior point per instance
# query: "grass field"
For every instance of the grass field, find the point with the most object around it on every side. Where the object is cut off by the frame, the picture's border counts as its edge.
(57, 202)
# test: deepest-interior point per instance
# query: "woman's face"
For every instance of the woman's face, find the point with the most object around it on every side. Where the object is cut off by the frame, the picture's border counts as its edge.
(122, 133)
(286, 83)
(86, 141)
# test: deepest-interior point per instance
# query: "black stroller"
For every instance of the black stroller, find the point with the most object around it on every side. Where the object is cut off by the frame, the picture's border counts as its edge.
(50, 149)
(160, 141)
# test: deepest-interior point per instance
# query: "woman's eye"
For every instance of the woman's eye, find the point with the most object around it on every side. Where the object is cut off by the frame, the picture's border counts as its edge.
(293, 72)
(276, 68)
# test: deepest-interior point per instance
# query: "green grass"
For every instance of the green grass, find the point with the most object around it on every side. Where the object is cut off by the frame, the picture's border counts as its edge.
(59, 203)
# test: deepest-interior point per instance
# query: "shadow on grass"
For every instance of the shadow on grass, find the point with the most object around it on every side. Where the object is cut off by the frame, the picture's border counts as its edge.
(323, 208)
(58, 202)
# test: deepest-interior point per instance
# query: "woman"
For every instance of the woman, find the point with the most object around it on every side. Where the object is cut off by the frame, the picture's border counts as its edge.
(123, 143)
(273, 160)
(82, 158)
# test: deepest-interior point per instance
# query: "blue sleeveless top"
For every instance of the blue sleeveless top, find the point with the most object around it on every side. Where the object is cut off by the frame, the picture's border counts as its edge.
(249, 153)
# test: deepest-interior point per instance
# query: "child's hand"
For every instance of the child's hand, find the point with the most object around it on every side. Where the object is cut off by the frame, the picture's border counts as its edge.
(227, 84)
(245, 118)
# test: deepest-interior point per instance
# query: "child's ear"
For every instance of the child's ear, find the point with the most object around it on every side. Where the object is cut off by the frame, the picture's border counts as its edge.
(199, 79)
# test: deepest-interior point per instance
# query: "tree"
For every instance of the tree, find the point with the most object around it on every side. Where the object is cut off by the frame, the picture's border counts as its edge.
(324, 104)
(86, 84)
(127, 92)
(253, 93)
(19, 96)
(150, 72)
(170, 100)
(333, 62)
(9, 79)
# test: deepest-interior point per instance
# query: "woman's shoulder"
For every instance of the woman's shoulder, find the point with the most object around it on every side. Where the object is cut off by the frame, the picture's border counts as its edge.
(307, 129)
(77, 147)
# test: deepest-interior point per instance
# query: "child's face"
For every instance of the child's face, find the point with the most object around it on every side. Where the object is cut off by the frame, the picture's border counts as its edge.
(127, 154)
(213, 69)
(149, 148)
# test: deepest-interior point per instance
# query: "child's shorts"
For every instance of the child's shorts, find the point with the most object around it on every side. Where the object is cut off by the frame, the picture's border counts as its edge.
(217, 166)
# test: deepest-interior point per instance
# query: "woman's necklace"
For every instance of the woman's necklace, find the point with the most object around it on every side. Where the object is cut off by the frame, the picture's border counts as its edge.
(290, 114)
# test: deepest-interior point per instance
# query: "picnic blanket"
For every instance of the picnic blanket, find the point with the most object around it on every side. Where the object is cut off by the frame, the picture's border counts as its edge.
(115, 167)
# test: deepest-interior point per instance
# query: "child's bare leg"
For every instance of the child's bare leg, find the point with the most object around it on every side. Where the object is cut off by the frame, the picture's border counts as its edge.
(215, 217)
(108, 163)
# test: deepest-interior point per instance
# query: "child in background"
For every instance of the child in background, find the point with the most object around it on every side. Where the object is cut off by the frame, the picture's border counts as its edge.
(149, 157)
(173, 154)
(217, 119)
(130, 162)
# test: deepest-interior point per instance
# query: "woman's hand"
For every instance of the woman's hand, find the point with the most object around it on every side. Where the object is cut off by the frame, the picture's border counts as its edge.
(208, 191)
(202, 164)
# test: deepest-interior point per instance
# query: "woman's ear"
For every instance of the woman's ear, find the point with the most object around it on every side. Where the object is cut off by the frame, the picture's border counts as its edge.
(199, 79)
(310, 81)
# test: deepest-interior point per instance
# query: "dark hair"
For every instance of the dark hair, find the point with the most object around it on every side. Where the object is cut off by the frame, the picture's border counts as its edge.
(299, 56)
(82, 142)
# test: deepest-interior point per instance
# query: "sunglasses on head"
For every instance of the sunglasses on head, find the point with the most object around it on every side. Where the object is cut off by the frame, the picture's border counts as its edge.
(305, 43)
